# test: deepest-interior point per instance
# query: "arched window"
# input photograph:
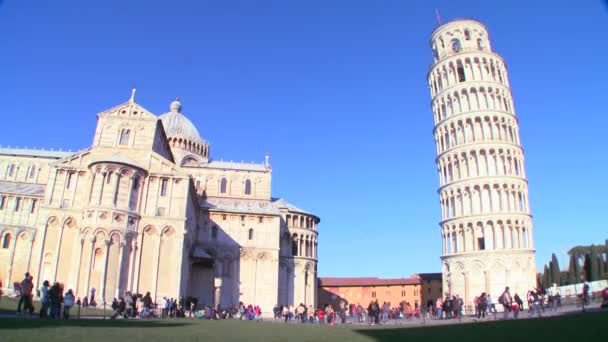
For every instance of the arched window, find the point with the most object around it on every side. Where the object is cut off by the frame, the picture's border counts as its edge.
(124, 137)
(456, 47)
(6, 242)
(461, 75)
(214, 232)
(467, 35)
(479, 44)
(135, 183)
(223, 185)
(98, 259)
(250, 234)
(32, 171)
(10, 170)
(294, 247)
(227, 266)
(248, 187)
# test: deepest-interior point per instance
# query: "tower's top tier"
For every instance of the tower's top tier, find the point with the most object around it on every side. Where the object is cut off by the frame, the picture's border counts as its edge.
(462, 35)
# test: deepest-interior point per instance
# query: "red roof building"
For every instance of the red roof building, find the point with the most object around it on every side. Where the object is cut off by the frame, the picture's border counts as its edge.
(364, 290)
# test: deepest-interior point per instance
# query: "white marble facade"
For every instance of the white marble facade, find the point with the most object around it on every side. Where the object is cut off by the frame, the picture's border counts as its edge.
(486, 226)
(145, 208)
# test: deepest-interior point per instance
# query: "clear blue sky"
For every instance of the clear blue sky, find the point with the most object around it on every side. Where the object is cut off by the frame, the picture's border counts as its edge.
(336, 91)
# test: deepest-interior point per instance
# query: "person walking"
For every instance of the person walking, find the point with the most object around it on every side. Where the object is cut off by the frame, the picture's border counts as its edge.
(25, 298)
(535, 299)
(507, 302)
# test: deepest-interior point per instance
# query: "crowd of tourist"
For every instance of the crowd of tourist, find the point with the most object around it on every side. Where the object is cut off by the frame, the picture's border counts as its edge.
(55, 304)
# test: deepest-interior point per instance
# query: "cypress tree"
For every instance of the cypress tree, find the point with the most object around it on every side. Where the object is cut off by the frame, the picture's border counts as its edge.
(587, 268)
(546, 277)
(555, 273)
(573, 270)
(595, 267)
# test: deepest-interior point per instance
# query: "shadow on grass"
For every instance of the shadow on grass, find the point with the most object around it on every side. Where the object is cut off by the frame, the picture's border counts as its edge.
(581, 327)
(29, 323)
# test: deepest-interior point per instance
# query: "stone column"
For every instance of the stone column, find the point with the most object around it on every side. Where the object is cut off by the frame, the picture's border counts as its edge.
(39, 275)
(132, 259)
(130, 193)
(11, 258)
(89, 266)
(116, 188)
(58, 252)
(104, 275)
(82, 240)
(29, 254)
(53, 186)
(119, 272)
(159, 243)
(65, 183)
(217, 293)
(103, 182)
(93, 177)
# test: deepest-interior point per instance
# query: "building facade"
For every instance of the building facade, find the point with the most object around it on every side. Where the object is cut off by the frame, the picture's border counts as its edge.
(486, 226)
(364, 290)
(146, 209)
(432, 287)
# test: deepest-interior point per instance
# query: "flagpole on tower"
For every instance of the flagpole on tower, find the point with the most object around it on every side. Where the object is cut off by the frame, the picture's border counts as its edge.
(438, 17)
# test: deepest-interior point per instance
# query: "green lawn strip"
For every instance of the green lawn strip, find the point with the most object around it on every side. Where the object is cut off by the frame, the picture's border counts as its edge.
(573, 327)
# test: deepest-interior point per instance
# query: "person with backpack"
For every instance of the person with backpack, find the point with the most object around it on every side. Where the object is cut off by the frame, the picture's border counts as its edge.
(507, 302)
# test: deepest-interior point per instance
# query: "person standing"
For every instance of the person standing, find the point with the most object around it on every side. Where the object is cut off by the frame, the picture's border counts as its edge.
(439, 308)
(129, 304)
(457, 307)
(25, 299)
(147, 304)
(68, 302)
(44, 299)
(482, 304)
(507, 301)
(585, 295)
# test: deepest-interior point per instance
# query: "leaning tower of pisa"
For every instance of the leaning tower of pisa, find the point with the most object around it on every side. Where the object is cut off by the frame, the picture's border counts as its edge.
(486, 226)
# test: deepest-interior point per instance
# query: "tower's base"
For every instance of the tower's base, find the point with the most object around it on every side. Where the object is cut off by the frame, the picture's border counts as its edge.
(469, 274)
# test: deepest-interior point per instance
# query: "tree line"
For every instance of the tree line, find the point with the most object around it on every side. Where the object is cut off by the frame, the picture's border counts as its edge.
(587, 263)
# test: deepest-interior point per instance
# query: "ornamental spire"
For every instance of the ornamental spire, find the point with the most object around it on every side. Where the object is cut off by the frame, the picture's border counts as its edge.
(132, 99)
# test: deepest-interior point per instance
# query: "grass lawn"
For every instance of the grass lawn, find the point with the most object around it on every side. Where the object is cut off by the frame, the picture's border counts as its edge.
(578, 327)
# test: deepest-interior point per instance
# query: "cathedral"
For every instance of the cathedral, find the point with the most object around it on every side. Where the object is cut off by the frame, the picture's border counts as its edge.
(146, 209)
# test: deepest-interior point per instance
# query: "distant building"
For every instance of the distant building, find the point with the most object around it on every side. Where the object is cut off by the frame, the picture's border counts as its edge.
(486, 227)
(364, 290)
(431, 287)
(145, 209)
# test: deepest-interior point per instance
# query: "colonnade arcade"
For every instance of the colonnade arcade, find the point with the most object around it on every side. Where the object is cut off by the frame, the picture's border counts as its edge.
(109, 260)
(475, 198)
(303, 245)
(474, 67)
(476, 128)
(117, 186)
(18, 242)
(472, 235)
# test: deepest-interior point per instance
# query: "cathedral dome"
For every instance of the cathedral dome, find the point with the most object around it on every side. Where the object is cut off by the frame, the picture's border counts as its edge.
(183, 138)
(177, 126)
